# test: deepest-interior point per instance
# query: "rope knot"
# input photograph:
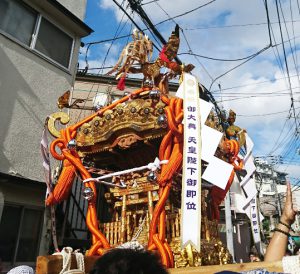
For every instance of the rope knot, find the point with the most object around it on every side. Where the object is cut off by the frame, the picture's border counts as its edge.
(156, 164)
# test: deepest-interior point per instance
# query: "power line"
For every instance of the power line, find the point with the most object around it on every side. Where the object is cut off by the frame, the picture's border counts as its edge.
(265, 114)
(248, 97)
(260, 92)
(188, 44)
(268, 21)
(128, 35)
(286, 139)
(220, 59)
(254, 84)
(237, 25)
(133, 22)
(287, 32)
(293, 28)
(185, 13)
(135, 6)
(142, 4)
(286, 65)
(235, 67)
(277, 57)
(103, 63)
(274, 148)
(247, 60)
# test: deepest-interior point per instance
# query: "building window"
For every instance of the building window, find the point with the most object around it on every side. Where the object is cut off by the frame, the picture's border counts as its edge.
(27, 26)
(18, 20)
(54, 43)
(20, 230)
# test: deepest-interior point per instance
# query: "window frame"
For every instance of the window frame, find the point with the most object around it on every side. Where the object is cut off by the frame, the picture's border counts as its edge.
(23, 207)
(34, 36)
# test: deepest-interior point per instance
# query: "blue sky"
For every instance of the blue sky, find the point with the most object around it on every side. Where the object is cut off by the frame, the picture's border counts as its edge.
(227, 30)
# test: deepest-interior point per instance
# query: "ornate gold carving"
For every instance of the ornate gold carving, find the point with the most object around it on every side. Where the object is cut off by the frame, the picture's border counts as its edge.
(62, 117)
(122, 126)
(235, 131)
(212, 253)
(140, 50)
(125, 141)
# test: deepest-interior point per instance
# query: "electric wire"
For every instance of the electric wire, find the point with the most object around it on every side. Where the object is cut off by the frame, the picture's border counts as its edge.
(276, 143)
(264, 114)
(128, 35)
(185, 13)
(236, 59)
(103, 63)
(237, 25)
(290, 44)
(220, 59)
(142, 4)
(185, 38)
(133, 21)
(248, 97)
(286, 64)
(253, 84)
(237, 66)
(268, 21)
(294, 40)
(277, 57)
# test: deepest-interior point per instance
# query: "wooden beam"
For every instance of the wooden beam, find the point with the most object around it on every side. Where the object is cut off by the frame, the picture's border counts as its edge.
(53, 264)
(271, 267)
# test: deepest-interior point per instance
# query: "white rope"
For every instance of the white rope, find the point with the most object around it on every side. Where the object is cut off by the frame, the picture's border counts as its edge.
(140, 229)
(66, 253)
(80, 260)
(151, 166)
(291, 264)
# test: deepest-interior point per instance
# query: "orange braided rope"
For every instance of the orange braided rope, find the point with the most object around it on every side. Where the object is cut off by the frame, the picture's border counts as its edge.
(217, 193)
(72, 162)
(62, 190)
(171, 148)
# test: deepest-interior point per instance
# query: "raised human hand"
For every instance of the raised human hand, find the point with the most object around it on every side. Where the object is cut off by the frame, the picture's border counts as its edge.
(288, 213)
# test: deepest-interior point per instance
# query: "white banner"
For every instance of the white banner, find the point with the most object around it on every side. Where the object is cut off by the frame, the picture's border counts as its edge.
(246, 200)
(210, 141)
(191, 179)
(254, 220)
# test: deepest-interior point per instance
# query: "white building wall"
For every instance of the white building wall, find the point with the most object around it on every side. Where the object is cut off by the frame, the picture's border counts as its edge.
(77, 7)
(30, 86)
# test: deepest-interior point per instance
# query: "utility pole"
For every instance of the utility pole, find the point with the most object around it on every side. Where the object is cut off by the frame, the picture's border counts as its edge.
(276, 192)
(229, 227)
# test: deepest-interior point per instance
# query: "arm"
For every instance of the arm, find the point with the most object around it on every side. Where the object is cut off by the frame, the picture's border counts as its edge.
(278, 244)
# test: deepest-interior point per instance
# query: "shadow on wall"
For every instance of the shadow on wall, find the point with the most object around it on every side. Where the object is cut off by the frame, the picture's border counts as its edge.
(14, 89)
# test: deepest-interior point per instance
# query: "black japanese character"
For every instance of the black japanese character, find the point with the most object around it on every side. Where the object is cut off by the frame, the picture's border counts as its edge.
(191, 109)
(191, 182)
(191, 117)
(190, 206)
(192, 169)
(191, 126)
(192, 160)
(192, 150)
(191, 193)
(192, 140)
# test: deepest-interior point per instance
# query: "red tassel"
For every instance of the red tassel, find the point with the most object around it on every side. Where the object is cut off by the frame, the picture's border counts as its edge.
(163, 56)
(121, 83)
